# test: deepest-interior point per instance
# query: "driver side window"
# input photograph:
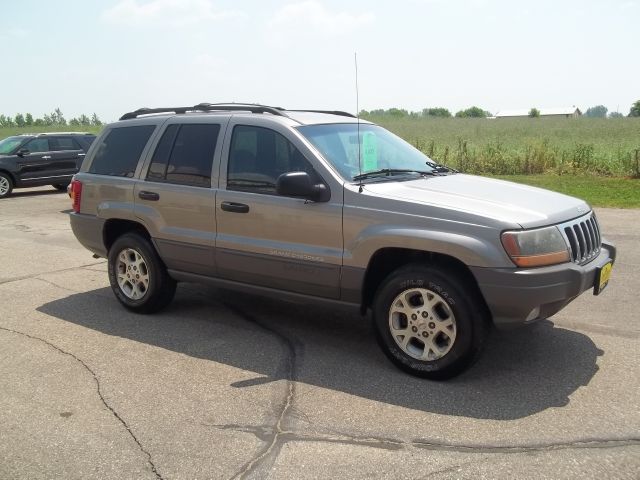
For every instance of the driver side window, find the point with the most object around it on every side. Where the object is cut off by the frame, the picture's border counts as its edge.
(37, 145)
(258, 156)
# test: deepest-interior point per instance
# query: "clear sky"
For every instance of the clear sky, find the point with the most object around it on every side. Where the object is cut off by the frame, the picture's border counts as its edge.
(113, 56)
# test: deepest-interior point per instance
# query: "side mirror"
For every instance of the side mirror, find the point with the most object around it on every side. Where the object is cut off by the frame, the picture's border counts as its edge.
(22, 152)
(299, 184)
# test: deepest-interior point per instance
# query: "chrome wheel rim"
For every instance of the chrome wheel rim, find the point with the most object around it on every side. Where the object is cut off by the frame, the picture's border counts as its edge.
(132, 274)
(422, 324)
(4, 186)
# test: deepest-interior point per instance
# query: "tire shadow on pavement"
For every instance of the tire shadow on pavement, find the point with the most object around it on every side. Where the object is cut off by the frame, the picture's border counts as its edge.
(520, 372)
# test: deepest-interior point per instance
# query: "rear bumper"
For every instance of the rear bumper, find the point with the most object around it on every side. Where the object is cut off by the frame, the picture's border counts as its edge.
(88, 230)
(518, 296)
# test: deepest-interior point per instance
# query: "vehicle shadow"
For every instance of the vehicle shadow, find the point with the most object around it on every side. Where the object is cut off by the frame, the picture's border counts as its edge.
(520, 373)
(35, 193)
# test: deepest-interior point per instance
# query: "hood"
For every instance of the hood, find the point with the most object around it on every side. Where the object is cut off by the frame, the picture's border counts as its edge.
(497, 199)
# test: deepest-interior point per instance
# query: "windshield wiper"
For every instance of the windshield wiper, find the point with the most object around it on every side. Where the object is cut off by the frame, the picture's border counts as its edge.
(387, 172)
(439, 168)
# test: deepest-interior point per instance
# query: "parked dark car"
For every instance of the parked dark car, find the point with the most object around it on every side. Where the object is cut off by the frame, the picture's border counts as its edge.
(41, 159)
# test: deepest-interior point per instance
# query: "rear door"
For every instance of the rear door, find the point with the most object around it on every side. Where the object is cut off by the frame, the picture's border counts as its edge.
(270, 240)
(66, 156)
(174, 197)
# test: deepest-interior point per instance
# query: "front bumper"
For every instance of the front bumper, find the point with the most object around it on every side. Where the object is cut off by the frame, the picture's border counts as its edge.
(516, 296)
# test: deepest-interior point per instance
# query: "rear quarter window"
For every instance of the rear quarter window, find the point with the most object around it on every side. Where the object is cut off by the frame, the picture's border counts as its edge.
(119, 151)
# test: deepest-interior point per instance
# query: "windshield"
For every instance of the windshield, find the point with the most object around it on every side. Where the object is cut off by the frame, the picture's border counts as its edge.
(9, 144)
(379, 149)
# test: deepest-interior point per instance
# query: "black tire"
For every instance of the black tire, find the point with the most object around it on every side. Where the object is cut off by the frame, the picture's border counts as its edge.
(160, 288)
(60, 186)
(7, 185)
(463, 302)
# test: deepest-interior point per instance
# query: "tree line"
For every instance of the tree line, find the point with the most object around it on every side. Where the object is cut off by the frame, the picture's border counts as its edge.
(598, 111)
(55, 118)
(441, 112)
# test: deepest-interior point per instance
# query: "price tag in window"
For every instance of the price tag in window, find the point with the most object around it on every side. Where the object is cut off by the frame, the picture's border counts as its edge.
(369, 152)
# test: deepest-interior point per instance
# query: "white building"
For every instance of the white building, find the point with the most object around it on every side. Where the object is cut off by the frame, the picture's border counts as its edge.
(562, 112)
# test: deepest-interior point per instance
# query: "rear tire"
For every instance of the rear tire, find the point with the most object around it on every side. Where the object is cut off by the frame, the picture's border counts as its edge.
(429, 322)
(60, 186)
(137, 275)
(6, 185)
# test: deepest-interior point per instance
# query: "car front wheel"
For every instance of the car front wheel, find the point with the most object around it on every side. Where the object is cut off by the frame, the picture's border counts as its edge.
(6, 185)
(137, 276)
(429, 322)
(60, 186)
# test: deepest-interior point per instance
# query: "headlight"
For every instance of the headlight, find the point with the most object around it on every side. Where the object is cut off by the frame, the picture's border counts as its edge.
(536, 248)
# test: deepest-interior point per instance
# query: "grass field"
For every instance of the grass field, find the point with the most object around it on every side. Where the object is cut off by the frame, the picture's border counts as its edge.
(617, 192)
(609, 147)
(594, 159)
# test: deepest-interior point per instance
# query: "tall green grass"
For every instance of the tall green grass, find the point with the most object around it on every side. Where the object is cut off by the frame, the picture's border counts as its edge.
(609, 147)
(525, 146)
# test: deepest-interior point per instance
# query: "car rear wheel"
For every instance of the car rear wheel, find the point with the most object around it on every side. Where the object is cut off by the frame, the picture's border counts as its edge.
(6, 185)
(137, 276)
(60, 186)
(429, 322)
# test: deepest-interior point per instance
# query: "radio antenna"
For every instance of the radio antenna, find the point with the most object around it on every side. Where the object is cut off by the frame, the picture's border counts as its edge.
(355, 58)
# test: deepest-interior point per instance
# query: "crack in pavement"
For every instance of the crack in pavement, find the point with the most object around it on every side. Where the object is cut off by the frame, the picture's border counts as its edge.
(99, 391)
(274, 434)
(264, 431)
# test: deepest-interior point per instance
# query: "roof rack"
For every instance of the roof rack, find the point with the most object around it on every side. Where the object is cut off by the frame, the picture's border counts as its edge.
(61, 133)
(238, 107)
(330, 112)
(207, 107)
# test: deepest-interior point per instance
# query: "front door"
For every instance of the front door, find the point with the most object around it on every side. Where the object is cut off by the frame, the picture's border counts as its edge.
(269, 240)
(36, 163)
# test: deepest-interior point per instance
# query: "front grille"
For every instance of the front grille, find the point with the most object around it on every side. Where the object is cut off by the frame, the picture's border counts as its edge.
(583, 237)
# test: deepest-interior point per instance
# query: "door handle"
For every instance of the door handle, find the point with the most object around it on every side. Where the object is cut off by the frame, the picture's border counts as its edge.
(81, 154)
(46, 157)
(234, 207)
(153, 196)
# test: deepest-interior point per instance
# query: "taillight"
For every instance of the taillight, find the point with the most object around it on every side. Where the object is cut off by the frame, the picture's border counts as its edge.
(76, 195)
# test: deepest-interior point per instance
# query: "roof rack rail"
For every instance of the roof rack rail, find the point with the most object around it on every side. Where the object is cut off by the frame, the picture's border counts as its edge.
(236, 107)
(331, 112)
(207, 107)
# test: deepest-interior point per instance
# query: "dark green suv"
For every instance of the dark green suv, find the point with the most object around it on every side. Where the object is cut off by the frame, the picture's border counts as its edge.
(41, 159)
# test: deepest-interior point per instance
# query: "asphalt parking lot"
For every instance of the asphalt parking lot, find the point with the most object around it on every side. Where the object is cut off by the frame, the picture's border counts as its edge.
(224, 385)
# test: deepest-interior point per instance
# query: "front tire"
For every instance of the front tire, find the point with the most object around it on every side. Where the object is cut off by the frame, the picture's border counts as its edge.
(6, 185)
(429, 322)
(137, 276)
(60, 186)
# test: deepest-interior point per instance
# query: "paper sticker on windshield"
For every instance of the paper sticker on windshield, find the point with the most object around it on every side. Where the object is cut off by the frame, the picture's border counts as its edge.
(369, 152)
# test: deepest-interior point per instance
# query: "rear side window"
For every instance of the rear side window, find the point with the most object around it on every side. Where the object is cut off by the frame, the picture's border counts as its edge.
(184, 155)
(64, 143)
(119, 151)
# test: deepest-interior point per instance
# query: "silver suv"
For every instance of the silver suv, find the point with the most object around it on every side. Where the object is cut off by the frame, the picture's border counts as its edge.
(319, 206)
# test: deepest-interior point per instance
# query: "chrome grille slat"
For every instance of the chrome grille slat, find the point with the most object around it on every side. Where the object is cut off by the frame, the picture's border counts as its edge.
(581, 242)
(592, 235)
(583, 239)
(573, 243)
(587, 238)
